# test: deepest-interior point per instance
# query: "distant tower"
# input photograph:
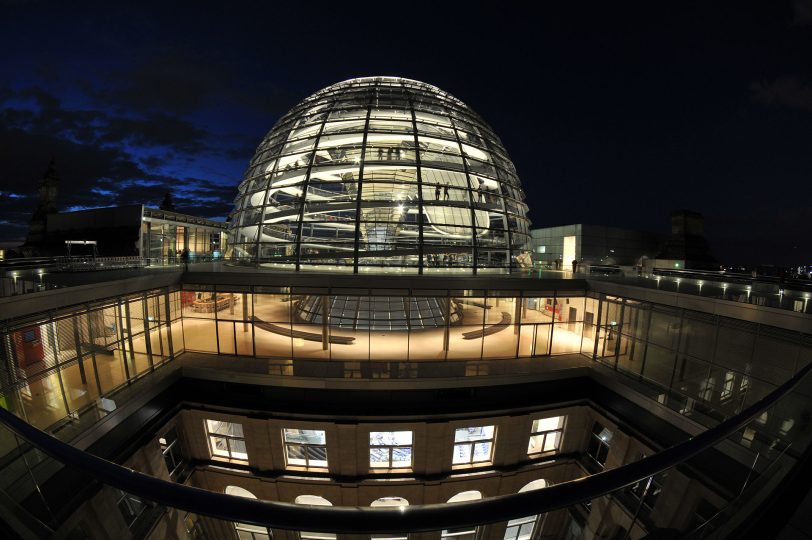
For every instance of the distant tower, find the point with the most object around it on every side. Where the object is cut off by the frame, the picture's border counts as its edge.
(167, 203)
(687, 242)
(48, 189)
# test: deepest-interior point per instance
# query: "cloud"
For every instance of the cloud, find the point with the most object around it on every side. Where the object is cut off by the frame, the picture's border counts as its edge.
(790, 91)
(44, 115)
(24, 158)
(111, 155)
(156, 130)
(90, 176)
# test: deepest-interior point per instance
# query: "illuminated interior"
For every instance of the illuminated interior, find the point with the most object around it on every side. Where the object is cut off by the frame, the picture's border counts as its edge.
(381, 172)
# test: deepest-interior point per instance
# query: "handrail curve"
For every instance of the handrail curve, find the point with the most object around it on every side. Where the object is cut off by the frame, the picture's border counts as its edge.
(366, 520)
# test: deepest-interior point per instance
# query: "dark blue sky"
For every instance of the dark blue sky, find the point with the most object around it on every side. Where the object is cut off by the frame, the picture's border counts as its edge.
(613, 113)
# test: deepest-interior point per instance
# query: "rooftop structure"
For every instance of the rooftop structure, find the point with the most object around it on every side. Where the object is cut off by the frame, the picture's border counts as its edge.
(224, 400)
(131, 230)
(381, 172)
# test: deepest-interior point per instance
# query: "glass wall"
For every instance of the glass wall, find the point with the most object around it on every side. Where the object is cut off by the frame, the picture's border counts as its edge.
(704, 366)
(60, 364)
(381, 172)
(165, 241)
(430, 325)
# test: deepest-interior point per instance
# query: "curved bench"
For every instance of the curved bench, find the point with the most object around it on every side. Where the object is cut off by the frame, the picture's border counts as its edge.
(309, 336)
(98, 349)
(472, 303)
(489, 330)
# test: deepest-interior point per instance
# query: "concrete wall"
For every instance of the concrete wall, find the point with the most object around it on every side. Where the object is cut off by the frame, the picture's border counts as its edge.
(595, 244)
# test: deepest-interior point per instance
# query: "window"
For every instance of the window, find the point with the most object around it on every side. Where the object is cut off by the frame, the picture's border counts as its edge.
(473, 445)
(314, 500)
(545, 435)
(521, 528)
(194, 530)
(462, 533)
(246, 531)
(786, 426)
(727, 386)
(654, 490)
(706, 388)
(389, 501)
(688, 407)
(305, 447)
(390, 449)
(130, 506)
(524, 528)
(744, 385)
(599, 442)
(226, 439)
(173, 455)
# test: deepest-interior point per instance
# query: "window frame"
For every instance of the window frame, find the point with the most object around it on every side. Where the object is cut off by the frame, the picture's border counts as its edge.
(172, 451)
(471, 444)
(635, 491)
(520, 523)
(191, 524)
(391, 448)
(263, 534)
(546, 433)
(215, 452)
(727, 386)
(595, 438)
(128, 499)
(305, 446)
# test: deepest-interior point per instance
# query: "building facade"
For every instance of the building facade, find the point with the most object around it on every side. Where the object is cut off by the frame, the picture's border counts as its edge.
(133, 230)
(593, 245)
(362, 386)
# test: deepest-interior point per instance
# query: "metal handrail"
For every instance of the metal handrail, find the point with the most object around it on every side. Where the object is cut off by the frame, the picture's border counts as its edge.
(367, 520)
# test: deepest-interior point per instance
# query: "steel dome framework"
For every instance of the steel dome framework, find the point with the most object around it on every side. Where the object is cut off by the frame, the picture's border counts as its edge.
(381, 172)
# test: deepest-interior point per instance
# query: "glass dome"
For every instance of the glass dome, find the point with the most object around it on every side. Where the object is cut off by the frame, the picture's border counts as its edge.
(381, 172)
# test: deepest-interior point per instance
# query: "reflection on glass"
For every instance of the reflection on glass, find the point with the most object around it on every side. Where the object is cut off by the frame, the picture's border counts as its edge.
(390, 449)
(308, 186)
(473, 444)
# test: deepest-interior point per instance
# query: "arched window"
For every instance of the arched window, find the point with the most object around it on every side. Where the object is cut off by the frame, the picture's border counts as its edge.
(524, 528)
(314, 500)
(463, 533)
(466, 496)
(246, 531)
(389, 502)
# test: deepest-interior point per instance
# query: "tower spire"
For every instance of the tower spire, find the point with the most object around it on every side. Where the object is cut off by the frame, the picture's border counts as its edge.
(48, 190)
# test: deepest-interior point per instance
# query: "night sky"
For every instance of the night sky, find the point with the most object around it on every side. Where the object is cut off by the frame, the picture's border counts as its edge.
(614, 113)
